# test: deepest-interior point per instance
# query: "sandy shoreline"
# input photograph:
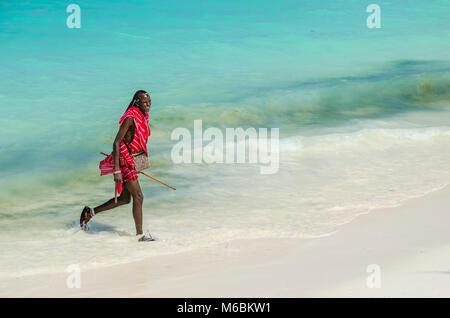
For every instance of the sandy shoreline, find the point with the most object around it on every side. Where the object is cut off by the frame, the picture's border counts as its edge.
(409, 243)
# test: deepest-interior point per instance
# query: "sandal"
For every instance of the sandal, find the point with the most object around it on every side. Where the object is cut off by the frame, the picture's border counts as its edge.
(85, 216)
(145, 237)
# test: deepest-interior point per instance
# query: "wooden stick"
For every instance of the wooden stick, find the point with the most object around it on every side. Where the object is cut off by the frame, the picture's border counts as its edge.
(115, 193)
(147, 175)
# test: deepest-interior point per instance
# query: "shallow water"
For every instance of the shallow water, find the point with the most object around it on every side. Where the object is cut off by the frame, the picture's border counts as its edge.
(363, 117)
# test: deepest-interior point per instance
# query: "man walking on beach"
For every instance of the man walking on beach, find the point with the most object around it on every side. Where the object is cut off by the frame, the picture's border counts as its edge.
(132, 138)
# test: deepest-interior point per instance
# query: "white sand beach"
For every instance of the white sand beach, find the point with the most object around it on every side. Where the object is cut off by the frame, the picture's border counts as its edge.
(409, 243)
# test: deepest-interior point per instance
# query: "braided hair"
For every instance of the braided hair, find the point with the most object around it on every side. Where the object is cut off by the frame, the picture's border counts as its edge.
(136, 97)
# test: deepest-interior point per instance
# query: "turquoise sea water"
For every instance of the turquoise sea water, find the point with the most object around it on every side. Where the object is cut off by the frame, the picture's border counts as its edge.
(363, 117)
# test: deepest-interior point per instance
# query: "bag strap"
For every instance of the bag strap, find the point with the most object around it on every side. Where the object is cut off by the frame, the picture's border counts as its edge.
(126, 144)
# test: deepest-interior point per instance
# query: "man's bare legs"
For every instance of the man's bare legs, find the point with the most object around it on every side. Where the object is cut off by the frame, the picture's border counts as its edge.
(130, 189)
(124, 198)
(134, 189)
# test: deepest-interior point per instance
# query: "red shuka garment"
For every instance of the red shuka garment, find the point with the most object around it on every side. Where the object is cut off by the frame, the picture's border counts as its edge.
(138, 144)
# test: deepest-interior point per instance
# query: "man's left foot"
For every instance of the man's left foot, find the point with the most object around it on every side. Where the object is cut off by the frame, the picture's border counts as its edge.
(85, 216)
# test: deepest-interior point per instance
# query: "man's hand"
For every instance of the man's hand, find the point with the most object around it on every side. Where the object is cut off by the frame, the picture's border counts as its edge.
(118, 178)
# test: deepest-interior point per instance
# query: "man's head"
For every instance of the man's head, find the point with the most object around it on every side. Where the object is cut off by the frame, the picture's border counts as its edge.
(142, 100)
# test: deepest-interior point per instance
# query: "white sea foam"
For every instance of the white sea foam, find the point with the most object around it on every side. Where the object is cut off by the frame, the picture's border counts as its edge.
(374, 137)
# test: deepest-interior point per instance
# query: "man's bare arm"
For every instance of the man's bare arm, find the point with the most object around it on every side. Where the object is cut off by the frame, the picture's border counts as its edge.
(127, 123)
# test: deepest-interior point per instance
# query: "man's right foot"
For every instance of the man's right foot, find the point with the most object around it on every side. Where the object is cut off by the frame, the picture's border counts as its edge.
(145, 237)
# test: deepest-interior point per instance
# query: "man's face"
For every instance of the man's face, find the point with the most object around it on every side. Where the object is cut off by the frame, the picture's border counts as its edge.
(144, 102)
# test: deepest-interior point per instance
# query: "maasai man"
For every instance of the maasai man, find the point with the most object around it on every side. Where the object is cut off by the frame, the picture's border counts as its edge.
(132, 136)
